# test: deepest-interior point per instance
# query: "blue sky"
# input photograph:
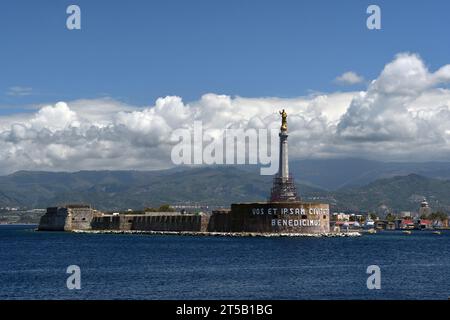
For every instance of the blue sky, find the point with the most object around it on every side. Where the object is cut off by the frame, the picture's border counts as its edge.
(136, 51)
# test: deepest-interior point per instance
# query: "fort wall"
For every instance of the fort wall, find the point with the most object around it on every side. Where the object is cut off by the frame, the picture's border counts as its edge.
(152, 222)
(55, 219)
(262, 217)
(280, 217)
(71, 217)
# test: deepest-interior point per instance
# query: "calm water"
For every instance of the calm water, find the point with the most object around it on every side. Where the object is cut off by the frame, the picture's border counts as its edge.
(33, 265)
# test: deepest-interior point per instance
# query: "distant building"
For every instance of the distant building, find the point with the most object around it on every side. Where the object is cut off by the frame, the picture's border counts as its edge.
(370, 223)
(440, 223)
(405, 214)
(424, 209)
(69, 217)
(406, 224)
(385, 225)
(390, 225)
(424, 224)
(190, 207)
(340, 216)
(345, 225)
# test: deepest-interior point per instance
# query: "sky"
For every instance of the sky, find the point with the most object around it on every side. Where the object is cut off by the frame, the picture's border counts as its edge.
(109, 96)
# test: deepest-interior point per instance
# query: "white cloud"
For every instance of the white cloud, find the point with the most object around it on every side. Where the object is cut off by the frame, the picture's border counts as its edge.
(349, 78)
(54, 118)
(107, 134)
(403, 115)
(18, 91)
(385, 112)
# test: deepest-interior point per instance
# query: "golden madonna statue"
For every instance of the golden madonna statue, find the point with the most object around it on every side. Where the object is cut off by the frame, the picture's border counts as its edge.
(283, 120)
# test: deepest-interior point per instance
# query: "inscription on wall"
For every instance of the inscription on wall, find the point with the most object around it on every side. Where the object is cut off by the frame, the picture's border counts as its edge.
(310, 217)
(290, 211)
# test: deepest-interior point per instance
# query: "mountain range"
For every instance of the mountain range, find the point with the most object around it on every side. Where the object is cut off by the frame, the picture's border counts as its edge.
(347, 184)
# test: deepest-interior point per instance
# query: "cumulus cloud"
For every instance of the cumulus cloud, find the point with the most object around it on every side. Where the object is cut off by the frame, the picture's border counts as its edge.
(401, 108)
(404, 114)
(349, 78)
(106, 134)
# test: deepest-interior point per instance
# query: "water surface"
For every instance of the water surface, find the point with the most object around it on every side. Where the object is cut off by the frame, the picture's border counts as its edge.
(33, 266)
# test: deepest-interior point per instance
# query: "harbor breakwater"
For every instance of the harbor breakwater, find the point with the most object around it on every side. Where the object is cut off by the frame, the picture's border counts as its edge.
(223, 234)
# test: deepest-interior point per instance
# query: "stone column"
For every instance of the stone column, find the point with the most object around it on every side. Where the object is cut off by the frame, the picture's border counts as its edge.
(283, 171)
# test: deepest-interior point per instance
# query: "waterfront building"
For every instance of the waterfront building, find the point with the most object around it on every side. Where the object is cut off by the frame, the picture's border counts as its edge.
(340, 216)
(405, 214)
(424, 209)
(423, 224)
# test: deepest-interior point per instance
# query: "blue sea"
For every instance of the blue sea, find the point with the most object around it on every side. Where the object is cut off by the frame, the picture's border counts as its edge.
(33, 266)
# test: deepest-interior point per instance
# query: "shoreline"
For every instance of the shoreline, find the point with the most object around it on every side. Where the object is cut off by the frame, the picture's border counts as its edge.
(222, 234)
